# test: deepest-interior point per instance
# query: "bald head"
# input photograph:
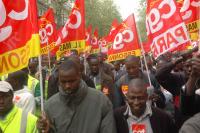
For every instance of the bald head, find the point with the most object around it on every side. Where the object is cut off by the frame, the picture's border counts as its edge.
(137, 85)
(137, 96)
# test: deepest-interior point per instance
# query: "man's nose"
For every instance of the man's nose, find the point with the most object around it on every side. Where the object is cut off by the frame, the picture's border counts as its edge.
(135, 101)
(67, 85)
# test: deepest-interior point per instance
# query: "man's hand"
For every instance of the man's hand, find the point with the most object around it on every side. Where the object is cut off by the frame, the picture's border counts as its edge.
(43, 123)
(196, 66)
(194, 76)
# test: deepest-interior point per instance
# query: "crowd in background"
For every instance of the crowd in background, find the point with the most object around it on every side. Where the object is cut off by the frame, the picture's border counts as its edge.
(86, 94)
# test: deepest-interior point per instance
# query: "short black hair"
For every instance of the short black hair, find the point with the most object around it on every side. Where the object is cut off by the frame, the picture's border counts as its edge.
(132, 58)
(92, 56)
(20, 76)
(70, 64)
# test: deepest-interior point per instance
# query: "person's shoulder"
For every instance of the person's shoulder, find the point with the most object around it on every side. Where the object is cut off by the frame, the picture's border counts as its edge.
(122, 78)
(160, 113)
(96, 95)
(97, 98)
(120, 110)
(52, 100)
(191, 125)
(106, 77)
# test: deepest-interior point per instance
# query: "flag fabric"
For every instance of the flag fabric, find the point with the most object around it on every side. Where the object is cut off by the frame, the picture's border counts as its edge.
(72, 36)
(125, 41)
(190, 11)
(88, 38)
(146, 46)
(19, 37)
(94, 42)
(166, 30)
(103, 45)
(88, 35)
(113, 32)
(47, 31)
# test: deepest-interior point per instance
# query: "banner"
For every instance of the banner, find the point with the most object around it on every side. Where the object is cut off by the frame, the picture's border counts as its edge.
(47, 31)
(166, 30)
(190, 12)
(94, 42)
(125, 41)
(72, 36)
(19, 38)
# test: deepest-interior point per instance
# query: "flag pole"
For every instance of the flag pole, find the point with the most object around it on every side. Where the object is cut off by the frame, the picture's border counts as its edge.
(49, 57)
(41, 83)
(145, 62)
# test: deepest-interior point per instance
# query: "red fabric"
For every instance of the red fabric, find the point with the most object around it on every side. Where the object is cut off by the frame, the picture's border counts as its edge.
(165, 28)
(126, 38)
(18, 22)
(47, 29)
(74, 28)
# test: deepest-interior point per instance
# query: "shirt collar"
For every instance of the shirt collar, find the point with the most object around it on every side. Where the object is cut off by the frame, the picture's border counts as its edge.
(147, 112)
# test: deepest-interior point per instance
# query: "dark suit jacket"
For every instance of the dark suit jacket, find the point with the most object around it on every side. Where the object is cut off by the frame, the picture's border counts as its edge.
(160, 121)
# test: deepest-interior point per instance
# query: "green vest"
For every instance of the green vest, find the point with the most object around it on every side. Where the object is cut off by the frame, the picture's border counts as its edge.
(34, 86)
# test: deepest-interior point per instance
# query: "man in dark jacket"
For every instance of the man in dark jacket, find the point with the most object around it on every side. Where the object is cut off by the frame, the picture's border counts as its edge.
(133, 70)
(53, 79)
(190, 93)
(102, 81)
(118, 73)
(76, 108)
(138, 115)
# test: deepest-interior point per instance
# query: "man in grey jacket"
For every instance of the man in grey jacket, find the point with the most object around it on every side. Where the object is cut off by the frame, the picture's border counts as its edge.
(76, 108)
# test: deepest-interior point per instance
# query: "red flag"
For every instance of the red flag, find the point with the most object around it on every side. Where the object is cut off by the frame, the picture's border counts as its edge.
(72, 35)
(19, 38)
(147, 47)
(126, 41)
(165, 29)
(94, 42)
(88, 35)
(103, 45)
(190, 13)
(113, 30)
(47, 31)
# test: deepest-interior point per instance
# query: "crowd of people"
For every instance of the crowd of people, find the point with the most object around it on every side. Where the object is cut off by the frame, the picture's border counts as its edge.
(86, 94)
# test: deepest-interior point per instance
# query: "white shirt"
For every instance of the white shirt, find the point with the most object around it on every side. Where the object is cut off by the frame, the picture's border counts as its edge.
(24, 99)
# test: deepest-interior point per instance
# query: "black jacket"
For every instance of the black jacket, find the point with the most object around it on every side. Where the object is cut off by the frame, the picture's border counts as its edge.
(160, 121)
(170, 81)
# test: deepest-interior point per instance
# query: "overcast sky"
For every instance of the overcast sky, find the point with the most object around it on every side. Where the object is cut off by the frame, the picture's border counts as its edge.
(126, 7)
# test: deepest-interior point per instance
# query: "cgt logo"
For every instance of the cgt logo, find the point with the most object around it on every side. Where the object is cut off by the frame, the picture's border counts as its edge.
(6, 31)
(45, 33)
(187, 12)
(70, 25)
(126, 36)
(154, 20)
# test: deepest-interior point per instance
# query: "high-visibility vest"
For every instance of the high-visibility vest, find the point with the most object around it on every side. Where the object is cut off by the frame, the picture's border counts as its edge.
(34, 86)
(15, 121)
(4, 77)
